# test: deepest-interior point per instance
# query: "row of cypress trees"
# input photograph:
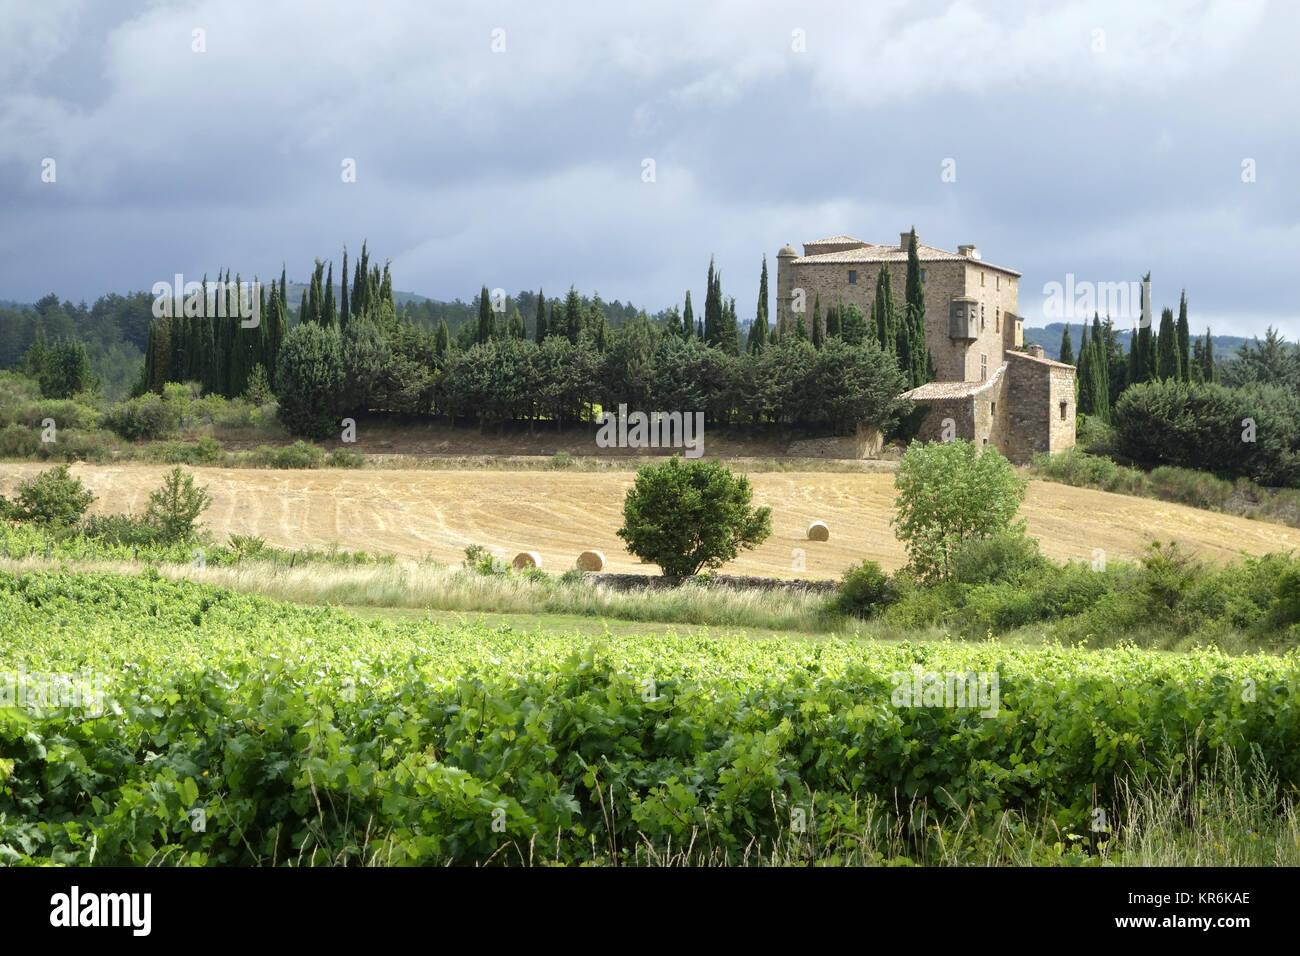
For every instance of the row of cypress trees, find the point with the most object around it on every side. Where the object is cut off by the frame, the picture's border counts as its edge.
(1165, 354)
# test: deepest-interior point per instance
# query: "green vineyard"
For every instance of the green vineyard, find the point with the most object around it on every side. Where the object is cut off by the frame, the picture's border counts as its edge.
(149, 721)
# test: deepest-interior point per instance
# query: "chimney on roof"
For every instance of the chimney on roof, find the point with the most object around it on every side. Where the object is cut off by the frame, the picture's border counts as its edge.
(905, 239)
(1035, 350)
(970, 252)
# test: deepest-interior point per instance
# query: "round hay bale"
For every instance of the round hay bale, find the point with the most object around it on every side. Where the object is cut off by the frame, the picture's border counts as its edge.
(817, 531)
(526, 559)
(591, 561)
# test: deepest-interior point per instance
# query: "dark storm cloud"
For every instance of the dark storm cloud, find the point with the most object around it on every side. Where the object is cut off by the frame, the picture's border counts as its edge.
(1098, 154)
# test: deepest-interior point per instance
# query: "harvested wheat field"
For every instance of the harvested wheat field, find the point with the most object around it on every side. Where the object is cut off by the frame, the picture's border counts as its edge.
(560, 514)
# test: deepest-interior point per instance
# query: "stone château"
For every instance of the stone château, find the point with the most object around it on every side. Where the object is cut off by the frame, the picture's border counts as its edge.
(994, 391)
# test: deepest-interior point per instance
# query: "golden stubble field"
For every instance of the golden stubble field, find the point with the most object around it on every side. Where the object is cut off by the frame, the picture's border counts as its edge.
(559, 514)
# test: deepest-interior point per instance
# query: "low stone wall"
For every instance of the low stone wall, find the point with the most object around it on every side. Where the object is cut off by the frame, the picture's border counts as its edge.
(635, 582)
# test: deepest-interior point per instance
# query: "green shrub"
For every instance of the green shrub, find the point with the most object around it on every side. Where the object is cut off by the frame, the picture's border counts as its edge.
(18, 441)
(206, 451)
(247, 544)
(128, 530)
(864, 591)
(998, 558)
(561, 460)
(345, 458)
(1185, 486)
(53, 497)
(174, 508)
(300, 454)
(145, 417)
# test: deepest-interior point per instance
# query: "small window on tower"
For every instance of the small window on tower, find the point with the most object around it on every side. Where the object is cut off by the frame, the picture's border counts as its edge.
(1063, 407)
(997, 282)
(853, 277)
(984, 372)
(997, 321)
(981, 280)
(922, 275)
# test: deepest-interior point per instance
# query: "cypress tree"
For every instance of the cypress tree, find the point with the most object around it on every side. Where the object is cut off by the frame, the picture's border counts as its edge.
(486, 324)
(573, 315)
(343, 292)
(833, 320)
(1209, 372)
(1067, 347)
(920, 363)
(688, 318)
(883, 314)
(441, 340)
(330, 315)
(815, 329)
(1083, 379)
(800, 329)
(539, 333)
(758, 331)
(1198, 360)
(1167, 348)
(1101, 368)
(1184, 340)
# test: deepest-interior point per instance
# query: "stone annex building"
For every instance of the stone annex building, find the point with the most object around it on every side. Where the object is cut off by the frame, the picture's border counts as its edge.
(995, 394)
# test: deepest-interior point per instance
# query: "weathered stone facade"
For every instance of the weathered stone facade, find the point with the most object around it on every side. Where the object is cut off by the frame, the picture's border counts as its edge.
(993, 394)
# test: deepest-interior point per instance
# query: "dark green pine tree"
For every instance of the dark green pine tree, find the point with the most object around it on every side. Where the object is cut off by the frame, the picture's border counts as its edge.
(1167, 348)
(343, 292)
(761, 315)
(360, 306)
(688, 318)
(920, 365)
(1198, 359)
(573, 315)
(150, 352)
(699, 329)
(1067, 347)
(815, 327)
(1184, 340)
(1083, 379)
(800, 327)
(486, 323)
(207, 356)
(539, 333)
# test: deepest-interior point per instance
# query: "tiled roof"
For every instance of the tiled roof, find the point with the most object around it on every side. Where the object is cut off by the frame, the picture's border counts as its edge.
(1035, 358)
(836, 239)
(871, 253)
(938, 391)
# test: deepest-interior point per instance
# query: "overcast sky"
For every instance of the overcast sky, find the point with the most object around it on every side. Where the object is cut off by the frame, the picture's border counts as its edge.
(1097, 138)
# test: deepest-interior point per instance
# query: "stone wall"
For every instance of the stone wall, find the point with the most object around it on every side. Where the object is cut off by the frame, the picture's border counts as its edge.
(954, 360)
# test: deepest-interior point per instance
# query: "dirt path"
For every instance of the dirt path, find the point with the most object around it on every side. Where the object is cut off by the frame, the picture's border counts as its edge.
(560, 514)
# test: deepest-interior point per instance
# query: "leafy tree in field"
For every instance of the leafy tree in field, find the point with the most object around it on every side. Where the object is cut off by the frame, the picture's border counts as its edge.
(175, 507)
(689, 515)
(309, 382)
(950, 493)
(53, 497)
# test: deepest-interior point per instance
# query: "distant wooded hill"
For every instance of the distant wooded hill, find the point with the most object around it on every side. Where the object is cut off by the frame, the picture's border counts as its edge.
(1049, 337)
